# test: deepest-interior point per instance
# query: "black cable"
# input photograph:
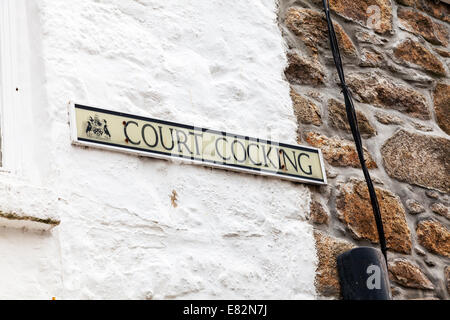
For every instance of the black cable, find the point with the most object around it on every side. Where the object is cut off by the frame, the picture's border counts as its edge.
(353, 121)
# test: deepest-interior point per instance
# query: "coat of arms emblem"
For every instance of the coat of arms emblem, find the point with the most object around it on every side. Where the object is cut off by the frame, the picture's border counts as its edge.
(97, 128)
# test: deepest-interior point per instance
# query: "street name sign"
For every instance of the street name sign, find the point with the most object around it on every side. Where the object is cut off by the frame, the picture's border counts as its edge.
(161, 139)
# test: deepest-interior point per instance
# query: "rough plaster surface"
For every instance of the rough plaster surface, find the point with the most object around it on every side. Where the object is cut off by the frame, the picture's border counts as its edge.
(210, 63)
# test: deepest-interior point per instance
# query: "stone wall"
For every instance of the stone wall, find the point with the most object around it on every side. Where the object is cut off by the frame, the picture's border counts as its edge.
(396, 58)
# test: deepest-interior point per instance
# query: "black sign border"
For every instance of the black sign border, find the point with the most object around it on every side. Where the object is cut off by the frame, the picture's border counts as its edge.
(168, 156)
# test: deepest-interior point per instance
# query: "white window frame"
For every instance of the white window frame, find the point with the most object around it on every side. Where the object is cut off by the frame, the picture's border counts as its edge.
(8, 72)
(14, 103)
(17, 125)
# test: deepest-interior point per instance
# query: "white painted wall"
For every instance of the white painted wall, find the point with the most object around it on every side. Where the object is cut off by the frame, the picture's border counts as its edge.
(215, 64)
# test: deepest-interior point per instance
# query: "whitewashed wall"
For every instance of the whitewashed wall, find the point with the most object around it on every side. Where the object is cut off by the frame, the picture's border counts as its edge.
(215, 64)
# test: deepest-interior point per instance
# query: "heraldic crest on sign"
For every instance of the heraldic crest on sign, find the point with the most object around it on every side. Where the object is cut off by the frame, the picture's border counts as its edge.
(96, 128)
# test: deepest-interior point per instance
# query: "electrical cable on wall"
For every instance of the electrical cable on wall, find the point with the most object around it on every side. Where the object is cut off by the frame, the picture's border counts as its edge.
(352, 119)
